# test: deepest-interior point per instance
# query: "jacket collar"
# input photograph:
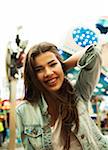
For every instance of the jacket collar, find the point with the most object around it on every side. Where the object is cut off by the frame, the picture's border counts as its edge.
(43, 105)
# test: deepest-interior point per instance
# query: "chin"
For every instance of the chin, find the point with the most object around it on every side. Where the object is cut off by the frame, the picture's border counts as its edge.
(54, 89)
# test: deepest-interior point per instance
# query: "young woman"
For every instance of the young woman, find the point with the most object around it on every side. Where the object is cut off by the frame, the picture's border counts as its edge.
(53, 114)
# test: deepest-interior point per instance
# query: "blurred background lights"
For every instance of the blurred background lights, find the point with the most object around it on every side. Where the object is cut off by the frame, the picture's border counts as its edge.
(102, 89)
(99, 85)
(60, 51)
(70, 75)
(107, 92)
(106, 79)
(77, 68)
(96, 90)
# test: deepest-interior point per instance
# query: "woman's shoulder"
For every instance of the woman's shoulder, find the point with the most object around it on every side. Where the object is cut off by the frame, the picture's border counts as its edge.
(24, 106)
(21, 104)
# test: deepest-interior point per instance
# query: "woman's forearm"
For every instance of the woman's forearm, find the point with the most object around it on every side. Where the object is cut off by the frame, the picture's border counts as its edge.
(72, 60)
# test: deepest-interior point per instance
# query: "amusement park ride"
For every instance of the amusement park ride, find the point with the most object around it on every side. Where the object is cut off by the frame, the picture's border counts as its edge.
(14, 64)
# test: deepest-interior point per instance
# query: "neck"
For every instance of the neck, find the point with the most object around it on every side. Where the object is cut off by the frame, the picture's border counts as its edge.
(53, 108)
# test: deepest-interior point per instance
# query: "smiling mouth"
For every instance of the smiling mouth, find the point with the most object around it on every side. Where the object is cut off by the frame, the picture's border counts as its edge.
(51, 82)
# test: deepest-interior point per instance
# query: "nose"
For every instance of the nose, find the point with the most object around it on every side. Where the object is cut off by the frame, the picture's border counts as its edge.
(48, 72)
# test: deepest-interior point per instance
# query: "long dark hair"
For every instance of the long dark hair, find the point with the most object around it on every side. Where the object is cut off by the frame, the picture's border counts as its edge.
(67, 96)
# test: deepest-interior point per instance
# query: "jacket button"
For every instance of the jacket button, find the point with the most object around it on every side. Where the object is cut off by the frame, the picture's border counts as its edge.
(82, 136)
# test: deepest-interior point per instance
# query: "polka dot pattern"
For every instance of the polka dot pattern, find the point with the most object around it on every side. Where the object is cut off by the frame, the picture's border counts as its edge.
(84, 36)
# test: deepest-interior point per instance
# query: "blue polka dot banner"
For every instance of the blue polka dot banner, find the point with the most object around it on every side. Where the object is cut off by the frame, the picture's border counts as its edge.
(84, 36)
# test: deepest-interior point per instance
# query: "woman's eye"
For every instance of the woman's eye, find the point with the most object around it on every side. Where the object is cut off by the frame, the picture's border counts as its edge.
(54, 64)
(39, 69)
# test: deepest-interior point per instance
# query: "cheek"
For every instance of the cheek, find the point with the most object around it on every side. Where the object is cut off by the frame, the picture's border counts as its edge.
(60, 71)
(39, 76)
(62, 75)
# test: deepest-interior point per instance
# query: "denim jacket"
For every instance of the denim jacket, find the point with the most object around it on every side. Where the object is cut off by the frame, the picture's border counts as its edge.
(33, 122)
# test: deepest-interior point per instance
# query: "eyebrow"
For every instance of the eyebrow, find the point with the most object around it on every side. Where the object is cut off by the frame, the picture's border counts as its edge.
(39, 66)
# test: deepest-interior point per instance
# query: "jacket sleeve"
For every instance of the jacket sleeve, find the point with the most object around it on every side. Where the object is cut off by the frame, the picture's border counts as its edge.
(90, 67)
(20, 115)
(19, 124)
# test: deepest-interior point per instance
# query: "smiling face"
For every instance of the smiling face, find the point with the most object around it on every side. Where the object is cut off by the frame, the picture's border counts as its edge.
(49, 71)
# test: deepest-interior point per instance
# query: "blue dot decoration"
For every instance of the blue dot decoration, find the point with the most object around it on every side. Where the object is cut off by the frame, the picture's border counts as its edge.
(84, 36)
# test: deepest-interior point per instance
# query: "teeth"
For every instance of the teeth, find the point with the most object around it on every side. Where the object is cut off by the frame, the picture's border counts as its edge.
(51, 81)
